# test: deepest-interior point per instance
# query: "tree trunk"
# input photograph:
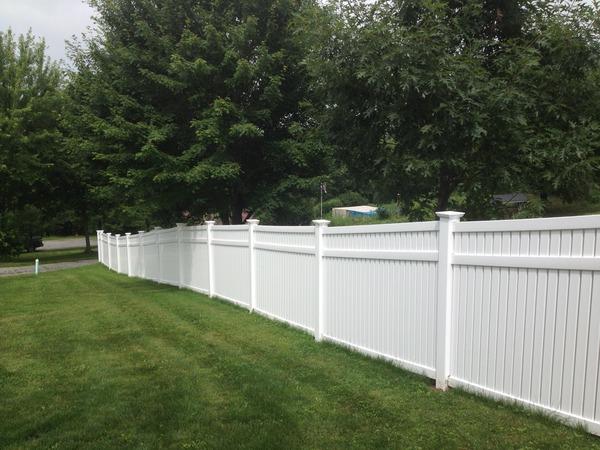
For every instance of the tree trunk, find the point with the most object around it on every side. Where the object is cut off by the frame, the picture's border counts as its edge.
(444, 189)
(224, 216)
(237, 208)
(86, 231)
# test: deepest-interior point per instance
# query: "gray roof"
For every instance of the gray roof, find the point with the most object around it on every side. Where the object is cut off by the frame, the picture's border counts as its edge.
(512, 198)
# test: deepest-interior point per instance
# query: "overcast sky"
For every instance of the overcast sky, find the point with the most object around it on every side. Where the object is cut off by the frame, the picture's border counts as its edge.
(55, 20)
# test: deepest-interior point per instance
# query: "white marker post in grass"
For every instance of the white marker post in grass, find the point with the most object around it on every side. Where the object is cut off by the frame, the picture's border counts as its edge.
(37, 266)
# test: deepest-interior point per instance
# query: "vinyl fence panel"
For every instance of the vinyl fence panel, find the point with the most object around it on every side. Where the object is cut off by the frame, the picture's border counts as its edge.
(169, 256)
(195, 274)
(286, 276)
(527, 313)
(231, 259)
(150, 255)
(122, 260)
(381, 291)
(112, 252)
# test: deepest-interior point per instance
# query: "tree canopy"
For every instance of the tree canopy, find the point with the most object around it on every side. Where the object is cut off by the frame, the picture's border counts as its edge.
(199, 107)
(30, 137)
(184, 109)
(448, 103)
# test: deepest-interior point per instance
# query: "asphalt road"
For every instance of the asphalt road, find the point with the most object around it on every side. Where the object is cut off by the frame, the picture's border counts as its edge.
(25, 270)
(71, 242)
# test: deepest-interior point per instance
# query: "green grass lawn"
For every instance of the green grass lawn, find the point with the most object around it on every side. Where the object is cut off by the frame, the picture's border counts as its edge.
(48, 257)
(91, 359)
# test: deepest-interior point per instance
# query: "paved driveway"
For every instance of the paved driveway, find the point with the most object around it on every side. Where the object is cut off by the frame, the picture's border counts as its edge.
(25, 270)
(71, 242)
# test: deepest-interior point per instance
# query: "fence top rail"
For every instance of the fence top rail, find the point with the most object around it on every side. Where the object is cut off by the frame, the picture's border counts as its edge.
(165, 230)
(545, 224)
(195, 228)
(230, 227)
(159, 231)
(385, 228)
(285, 229)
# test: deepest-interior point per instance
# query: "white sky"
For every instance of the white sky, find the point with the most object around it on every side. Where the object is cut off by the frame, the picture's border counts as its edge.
(54, 20)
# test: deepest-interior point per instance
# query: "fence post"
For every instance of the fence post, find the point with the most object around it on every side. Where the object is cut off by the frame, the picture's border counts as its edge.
(444, 297)
(142, 255)
(99, 245)
(108, 249)
(320, 226)
(127, 235)
(252, 223)
(117, 236)
(159, 255)
(180, 228)
(211, 268)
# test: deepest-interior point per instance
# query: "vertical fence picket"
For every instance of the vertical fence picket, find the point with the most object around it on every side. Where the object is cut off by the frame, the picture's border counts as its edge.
(251, 230)
(128, 243)
(320, 225)
(117, 236)
(211, 264)
(444, 297)
(108, 251)
(142, 271)
(180, 228)
(99, 244)
(158, 252)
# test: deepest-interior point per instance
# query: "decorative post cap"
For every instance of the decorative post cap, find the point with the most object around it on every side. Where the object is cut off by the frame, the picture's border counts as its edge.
(209, 222)
(451, 215)
(109, 234)
(117, 235)
(99, 231)
(252, 221)
(127, 234)
(321, 222)
(141, 231)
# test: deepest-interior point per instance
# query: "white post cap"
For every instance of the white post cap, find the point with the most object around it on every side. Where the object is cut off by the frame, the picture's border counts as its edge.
(252, 221)
(450, 215)
(209, 222)
(321, 222)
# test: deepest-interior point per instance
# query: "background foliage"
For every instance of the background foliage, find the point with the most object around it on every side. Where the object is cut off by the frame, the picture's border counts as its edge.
(182, 109)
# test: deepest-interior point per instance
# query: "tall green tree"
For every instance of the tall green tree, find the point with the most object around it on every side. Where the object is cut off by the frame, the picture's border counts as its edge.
(198, 107)
(30, 137)
(449, 102)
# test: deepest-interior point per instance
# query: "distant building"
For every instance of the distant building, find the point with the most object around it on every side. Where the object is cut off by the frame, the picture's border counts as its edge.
(513, 199)
(354, 211)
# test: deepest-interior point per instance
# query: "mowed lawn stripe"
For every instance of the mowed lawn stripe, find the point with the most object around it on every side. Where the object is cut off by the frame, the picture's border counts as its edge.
(94, 359)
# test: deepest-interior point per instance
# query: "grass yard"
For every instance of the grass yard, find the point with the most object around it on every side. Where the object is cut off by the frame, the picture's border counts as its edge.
(89, 359)
(49, 256)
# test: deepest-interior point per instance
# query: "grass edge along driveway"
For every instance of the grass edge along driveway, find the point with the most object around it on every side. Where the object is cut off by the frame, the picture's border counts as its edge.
(92, 359)
(49, 257)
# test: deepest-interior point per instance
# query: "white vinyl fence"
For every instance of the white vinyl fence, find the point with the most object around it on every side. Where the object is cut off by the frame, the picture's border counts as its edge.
(509, 309)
